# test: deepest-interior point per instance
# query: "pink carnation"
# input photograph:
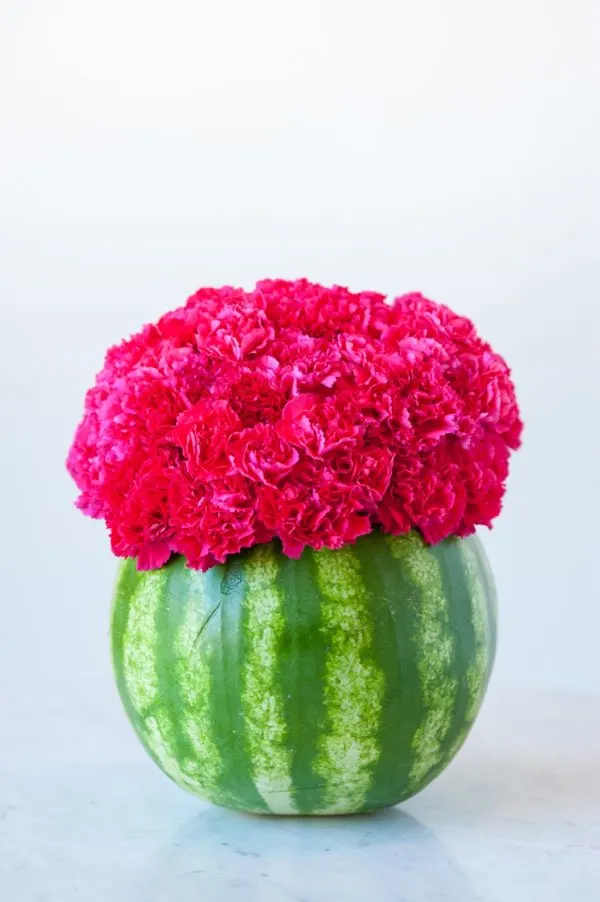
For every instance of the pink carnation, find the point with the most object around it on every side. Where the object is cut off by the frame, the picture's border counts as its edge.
(308, 414)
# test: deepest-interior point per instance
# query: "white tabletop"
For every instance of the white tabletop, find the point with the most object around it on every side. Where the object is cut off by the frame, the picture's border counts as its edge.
(516, 818)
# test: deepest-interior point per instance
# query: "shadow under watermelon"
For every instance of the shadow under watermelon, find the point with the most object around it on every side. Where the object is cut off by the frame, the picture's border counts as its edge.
(220, 856)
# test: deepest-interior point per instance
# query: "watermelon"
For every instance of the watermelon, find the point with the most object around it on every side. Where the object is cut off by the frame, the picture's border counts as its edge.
(341, 682)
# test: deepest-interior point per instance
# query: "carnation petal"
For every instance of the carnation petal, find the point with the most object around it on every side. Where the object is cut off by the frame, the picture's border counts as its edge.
(298, 412)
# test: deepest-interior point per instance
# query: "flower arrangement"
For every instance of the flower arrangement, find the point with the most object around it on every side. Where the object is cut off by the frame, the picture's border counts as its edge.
(309, 414)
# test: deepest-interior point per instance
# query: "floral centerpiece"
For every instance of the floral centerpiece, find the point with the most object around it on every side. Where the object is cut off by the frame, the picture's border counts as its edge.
(304, 621)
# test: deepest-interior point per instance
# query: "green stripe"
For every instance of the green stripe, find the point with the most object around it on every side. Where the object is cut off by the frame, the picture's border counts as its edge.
(263, 701)
(127, 579)
(140, 640)
(482, 617)
(189, 678)
(478, 672)
(435, 654)
(354, 685)
(490, 592)
(225, 589)
(140, 675)
(303, 652)
(394, 622)
(457, 589)
(168, 614)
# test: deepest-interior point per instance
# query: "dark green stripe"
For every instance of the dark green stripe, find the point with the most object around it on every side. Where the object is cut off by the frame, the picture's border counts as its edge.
(456, 590)
(225, 584)
(395, 619)
(303, 652)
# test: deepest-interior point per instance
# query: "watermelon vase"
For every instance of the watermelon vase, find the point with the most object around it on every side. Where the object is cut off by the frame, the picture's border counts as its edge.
(341, 682)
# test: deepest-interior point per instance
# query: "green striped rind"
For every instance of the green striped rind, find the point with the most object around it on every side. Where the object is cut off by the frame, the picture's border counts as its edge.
(145, 605)
(482, 598)
(341, 682)
(189, 679)
(264, 705)
(166, 639)
(303, 653)
(489, 588)
(477, 673)
(436, 652)
(126, 583)
(457, 590)
(395, 620)
(354, 685)
(139, 676)
(223, 642)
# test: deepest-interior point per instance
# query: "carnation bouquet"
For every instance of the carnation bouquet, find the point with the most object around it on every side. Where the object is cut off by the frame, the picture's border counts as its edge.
(304, 621)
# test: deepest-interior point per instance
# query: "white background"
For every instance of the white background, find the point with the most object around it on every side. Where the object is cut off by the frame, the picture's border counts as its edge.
(150, 148)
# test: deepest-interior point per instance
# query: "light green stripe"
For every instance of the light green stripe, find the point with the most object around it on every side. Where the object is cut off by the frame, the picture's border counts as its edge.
(263, 702)
(140, 641)
(141, 680)
(194, 678)
(435, 650)
(354, 685)
(478, 670)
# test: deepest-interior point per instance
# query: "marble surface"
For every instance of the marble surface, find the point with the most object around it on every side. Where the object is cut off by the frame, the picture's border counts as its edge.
(85, 816)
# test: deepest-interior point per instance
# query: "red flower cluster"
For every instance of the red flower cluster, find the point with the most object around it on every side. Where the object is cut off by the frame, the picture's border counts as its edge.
(295, 411)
